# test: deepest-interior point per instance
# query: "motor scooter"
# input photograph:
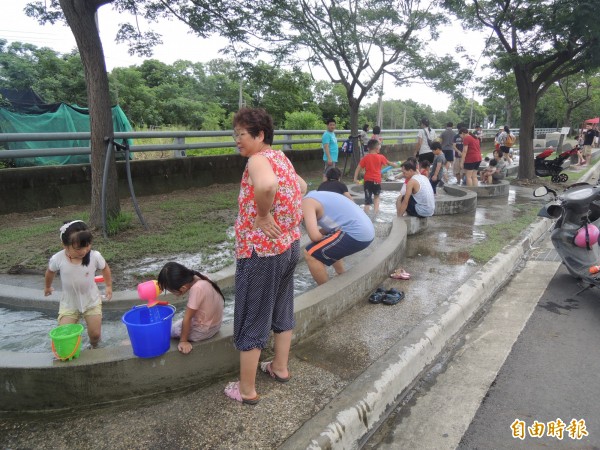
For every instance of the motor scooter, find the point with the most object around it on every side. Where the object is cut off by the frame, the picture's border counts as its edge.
(575, 233)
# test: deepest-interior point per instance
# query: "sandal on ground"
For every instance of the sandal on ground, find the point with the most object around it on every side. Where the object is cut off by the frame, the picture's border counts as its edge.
(393, 297)
(377, 296)
(265, 367)
(232, 390)
(400, 274)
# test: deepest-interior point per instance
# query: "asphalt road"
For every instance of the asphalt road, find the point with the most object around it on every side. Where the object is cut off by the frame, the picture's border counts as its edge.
(552, 373)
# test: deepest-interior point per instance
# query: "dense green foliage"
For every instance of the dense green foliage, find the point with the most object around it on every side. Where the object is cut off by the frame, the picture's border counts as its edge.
(203, 96)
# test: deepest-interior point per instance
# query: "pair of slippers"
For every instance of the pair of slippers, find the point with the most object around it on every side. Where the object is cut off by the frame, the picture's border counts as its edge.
(400, 274)
(232, 390)
(390, 297)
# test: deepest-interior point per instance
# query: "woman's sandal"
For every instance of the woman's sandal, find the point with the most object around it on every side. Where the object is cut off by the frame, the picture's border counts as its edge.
(393, 297)
(377, 296)
(265, 367)
(400, 274)
(232, 390)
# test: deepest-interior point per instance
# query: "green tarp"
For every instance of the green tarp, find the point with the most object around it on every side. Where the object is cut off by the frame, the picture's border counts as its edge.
(62, 118)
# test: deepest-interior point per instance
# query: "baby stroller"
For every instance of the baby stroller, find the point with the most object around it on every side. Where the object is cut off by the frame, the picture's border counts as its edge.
(553, 167)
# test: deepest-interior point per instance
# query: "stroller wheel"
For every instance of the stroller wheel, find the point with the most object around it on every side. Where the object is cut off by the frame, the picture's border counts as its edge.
(563, 177)
(555, 179)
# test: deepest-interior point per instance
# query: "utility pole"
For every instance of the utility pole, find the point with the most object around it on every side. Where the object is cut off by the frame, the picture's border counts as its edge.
(471, 115)
(380, 106)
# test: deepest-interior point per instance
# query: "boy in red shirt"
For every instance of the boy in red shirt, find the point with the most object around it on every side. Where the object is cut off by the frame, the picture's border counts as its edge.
(372, 162)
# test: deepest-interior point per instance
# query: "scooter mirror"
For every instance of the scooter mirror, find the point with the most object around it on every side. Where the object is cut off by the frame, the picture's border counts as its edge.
(540, 192)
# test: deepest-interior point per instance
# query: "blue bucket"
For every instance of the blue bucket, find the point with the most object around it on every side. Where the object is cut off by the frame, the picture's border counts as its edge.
(149, 329)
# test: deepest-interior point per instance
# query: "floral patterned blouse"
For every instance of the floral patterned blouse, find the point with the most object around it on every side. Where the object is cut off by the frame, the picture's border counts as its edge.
(286, 211)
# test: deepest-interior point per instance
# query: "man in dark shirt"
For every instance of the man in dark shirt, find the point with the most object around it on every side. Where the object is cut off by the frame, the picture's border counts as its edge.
(588, 139)
(333, 183)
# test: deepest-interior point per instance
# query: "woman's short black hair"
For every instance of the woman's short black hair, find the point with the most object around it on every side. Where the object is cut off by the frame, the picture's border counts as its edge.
(255, 120)
(376, 129)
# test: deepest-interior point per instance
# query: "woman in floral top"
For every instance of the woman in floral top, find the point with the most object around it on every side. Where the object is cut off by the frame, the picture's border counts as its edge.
(267, 249)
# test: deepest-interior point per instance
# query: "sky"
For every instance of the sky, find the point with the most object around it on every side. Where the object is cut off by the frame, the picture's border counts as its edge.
(179, 44)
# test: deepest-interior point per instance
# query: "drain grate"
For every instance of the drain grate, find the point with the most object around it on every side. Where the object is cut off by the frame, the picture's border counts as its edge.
(545, 254)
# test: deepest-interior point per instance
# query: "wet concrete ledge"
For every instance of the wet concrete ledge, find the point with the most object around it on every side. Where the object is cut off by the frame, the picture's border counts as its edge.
(35, 382)
(452, 199)
(490, 190)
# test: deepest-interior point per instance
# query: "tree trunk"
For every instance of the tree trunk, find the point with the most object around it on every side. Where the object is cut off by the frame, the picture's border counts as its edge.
(80, 16)
(528, 98)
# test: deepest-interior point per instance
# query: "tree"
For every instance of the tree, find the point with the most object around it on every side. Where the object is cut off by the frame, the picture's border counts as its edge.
(501, 93)
(355, 43)
(541, 42)
(576, 92)
(80, 16)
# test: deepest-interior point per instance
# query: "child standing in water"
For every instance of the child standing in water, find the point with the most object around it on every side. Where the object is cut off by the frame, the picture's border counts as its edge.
(78, 263)
(204, 312)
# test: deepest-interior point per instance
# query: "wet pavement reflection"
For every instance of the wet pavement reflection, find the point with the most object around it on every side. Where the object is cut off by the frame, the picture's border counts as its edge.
(439, 261)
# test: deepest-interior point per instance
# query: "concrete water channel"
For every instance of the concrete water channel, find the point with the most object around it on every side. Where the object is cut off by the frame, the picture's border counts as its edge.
(339, 335)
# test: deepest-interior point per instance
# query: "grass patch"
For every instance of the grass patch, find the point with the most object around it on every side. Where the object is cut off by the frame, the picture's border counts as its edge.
(498, 235)
(118, 223)
(190, 221)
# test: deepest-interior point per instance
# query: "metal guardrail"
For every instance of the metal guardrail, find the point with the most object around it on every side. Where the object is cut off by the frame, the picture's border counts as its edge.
(179, 146)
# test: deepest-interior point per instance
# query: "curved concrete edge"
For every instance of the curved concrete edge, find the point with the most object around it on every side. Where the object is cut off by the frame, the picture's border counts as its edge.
(501, 189)
(35, 382)
(28, 298)
(366, 401)
(458, 201)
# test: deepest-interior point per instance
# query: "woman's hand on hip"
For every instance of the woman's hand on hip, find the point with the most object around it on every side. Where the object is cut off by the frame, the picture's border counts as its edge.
(268, 226)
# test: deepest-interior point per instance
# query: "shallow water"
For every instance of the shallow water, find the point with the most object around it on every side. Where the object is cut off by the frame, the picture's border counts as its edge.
(444, 247)
(27, 331)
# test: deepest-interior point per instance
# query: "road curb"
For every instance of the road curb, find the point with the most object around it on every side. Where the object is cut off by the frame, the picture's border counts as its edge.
(367, 400)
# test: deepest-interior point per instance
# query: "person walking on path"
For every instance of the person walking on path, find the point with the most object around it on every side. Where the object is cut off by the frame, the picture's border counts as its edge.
(330, 147)
(337, 228)
(377, 134)
(425, 138)
(447, 138)
(506, 141)
(436, 171)
(363, 136)
(267, 232)
(418, 199)
(457, 145)
(471, 157)
(588, 140)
